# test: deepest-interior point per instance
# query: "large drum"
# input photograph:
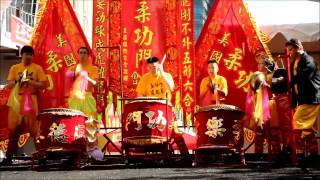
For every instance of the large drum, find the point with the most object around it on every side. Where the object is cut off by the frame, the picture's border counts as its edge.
(146, 121)
(62, 128)
(219, 126)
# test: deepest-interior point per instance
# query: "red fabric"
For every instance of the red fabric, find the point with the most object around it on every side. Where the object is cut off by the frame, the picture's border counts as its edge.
(57, 22)
(230, 20)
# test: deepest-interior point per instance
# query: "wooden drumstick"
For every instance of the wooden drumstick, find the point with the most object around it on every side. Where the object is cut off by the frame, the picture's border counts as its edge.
(163, 59)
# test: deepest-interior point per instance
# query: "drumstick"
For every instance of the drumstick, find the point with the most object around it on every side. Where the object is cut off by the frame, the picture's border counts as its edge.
(163, 59)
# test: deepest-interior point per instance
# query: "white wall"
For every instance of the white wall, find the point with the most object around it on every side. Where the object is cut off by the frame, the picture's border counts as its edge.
(83, 10)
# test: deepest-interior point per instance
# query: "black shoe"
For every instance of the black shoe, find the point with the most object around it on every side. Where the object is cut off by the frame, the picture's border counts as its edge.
(6, 162)
(97, 162)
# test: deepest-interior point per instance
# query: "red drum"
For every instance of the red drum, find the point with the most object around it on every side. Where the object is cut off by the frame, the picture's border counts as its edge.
(62, 128)
(146, 121)
(4, 95)
(4, 131)
(219, 126)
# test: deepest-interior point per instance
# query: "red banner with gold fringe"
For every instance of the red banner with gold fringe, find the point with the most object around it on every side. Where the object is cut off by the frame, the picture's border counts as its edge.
(231, 37)
(187, 63)
(56, 39)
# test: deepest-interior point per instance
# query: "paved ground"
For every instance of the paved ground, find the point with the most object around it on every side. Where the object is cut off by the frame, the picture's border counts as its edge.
(166, 173)
(113, 168)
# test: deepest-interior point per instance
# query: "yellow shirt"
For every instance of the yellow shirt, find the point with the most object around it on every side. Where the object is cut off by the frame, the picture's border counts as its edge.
(34, 72)
(220, 81)
(93, 73)
(295, 71)
(154, 86)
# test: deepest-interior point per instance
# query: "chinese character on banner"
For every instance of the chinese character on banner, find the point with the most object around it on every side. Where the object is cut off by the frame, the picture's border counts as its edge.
(243, 80)
(142, 54)
(186, 14)
(99, 30)
(69, 60)
(233, 62)
(60, 40)
(52, 62)
(188, 86)
(187, 42)
(216, 55)
(100, 4)
(188, 100)
(224, 40)
(101, 17)
(143, 12)
(143, 37)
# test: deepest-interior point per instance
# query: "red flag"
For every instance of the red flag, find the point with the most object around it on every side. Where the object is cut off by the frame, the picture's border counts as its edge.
(143, 27)
(56, 39)
(231, 37)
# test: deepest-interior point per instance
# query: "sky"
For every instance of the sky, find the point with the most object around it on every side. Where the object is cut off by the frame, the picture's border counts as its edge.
(267, 12)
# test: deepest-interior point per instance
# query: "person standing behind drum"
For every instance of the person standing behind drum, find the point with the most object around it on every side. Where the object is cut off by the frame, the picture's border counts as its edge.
(85, 80)
(157, 82)
(305, 89)
(280, 126)
(25, 80)
(214, 87)
(81, 98)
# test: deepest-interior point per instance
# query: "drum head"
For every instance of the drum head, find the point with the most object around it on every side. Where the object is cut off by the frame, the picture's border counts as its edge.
(148, 99)
(220, 107)
(62, 112)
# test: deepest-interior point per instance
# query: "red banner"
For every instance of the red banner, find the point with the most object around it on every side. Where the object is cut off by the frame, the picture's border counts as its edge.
(143, 32)
(187, 65)
(56, 39)
(230, 36)
(114, 41)
(99, 41)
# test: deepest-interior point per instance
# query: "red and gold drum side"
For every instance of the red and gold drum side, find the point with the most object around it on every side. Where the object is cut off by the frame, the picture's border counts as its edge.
(61, 127)
(219, 126)
(146, 122)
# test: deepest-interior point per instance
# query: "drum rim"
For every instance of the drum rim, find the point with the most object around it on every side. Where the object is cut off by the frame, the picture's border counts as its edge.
(67, 112)
(212, 107)
(158, 100)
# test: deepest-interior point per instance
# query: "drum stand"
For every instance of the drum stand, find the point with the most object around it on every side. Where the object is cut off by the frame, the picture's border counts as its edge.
(110, 141)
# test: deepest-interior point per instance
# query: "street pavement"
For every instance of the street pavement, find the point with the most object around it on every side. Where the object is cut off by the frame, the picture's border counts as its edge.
(142, 172)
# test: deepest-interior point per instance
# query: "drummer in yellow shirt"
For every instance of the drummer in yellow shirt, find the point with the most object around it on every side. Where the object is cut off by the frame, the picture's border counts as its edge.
(155, 83)
(25, 79)
(213, 86)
